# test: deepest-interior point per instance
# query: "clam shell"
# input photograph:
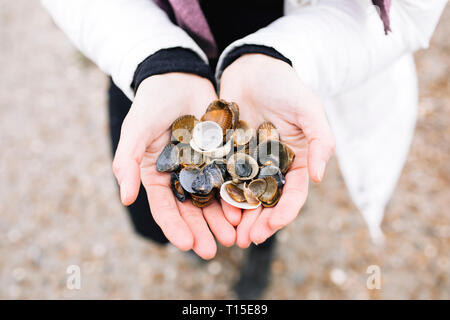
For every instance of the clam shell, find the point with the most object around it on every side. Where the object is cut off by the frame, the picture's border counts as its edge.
(231, 109)
(273, 202)
(251, 148)
(208, 178)
(275, 153)
(287, 156)
(272, 171)
(182, 128)
(187, 176)
(250, 197)
(202, 183)
(202, 200)
(223, 117)
(270, 191)
(269, 153)
(236, 193)
(201, 204)
(267, 131)
(242, 161)
(215, 174)
(219, 152)
(168, 160)
(222, 165)
(243, 170)
(243, 133)
(176, 187)
(257, 187)
(207, 135)
(202, 197)
(226, 197)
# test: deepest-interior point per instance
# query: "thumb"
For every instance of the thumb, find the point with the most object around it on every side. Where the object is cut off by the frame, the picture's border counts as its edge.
(127, 160)
(321, 143)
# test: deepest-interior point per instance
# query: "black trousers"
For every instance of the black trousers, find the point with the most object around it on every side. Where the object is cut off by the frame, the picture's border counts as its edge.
(139, 211)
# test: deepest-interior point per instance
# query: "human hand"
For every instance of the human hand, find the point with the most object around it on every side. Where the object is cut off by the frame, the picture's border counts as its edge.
(159, 100)
(268, 89)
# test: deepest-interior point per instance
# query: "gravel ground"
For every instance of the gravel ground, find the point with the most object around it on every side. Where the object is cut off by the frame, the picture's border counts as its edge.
(59, 204)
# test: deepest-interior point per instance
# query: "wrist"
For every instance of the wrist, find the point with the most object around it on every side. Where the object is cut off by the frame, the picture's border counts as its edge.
(174, 83)
(172, 60)
(249, 49)
(253, 67)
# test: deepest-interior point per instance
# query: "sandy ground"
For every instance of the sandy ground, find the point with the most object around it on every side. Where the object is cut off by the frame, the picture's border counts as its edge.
(59, 204)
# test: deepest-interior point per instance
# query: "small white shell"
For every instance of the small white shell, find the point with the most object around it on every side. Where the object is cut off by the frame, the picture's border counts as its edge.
(220, 152)
(226, 197)
(207, 135)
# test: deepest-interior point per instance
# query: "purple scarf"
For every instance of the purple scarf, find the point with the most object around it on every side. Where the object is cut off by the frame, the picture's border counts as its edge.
(384, 6)
(189, 16)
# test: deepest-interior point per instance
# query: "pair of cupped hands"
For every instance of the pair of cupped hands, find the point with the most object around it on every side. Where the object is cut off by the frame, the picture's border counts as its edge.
(265, 89)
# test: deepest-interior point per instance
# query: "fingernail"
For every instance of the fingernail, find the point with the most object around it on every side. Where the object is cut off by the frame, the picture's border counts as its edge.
(321, 170)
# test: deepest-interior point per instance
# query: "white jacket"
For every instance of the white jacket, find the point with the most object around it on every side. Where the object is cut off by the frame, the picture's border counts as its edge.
(338, 47)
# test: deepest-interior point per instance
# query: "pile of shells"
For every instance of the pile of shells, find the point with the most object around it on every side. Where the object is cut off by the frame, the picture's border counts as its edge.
(222, 153)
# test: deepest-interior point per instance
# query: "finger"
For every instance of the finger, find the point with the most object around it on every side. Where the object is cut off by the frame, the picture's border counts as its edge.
(204, 243)
(165, 212)
(126, 164)
(294, 196)
(321, 142)
(260, 230)
(243, 230)
(222, 229)
(272, 219)
(232, 214)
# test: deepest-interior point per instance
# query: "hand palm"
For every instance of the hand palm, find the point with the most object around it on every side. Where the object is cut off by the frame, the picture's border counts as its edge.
(145, 132)
(267, 89)
(255, 225)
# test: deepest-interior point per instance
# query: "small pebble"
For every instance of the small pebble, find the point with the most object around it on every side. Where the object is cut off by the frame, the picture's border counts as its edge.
(338, 276)
(214, 268)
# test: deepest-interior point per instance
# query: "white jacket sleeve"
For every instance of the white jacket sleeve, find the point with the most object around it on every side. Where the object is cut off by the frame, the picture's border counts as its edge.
(118, 34)
(335, 45)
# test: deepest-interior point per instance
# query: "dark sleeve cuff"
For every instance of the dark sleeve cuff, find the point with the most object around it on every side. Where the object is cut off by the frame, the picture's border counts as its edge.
(250, 48)
(171, 60)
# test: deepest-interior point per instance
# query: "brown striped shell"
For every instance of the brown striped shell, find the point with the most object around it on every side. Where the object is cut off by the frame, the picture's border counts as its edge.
(243, 134)
(226, 114)
(287, 157)
(202, 200)
(267, 131)
(182, 128)
(274, 201)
